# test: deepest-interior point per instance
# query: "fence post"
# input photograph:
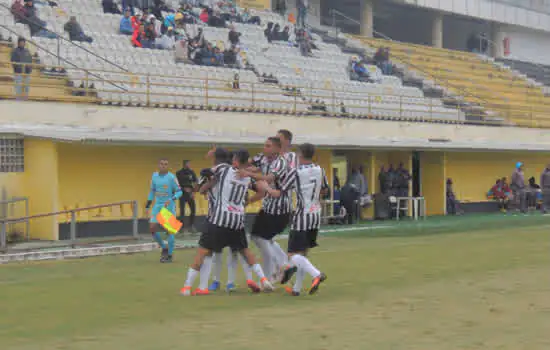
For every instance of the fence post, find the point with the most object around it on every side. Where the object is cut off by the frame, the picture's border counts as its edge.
(58, 51)
(27, 213)
(148, 91)
(135, 232)
(3, 236)
(73, 229)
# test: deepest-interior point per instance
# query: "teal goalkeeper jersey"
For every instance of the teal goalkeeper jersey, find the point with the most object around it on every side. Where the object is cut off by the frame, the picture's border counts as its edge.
(164, 187)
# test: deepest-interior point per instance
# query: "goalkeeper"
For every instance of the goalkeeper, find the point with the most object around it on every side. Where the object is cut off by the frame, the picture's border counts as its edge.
(165, 190)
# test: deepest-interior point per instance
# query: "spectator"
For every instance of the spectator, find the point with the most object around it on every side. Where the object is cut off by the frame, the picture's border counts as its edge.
(453, 205)
(230, 56)
(215, 20)
(233, 36)
(182, 51)
(285, 34)
(18, 11)
(36, 25)
(218, 56)
(126, 24)
(246, 18)
(533, 193)
(236, 85)
(109, 6)
(158, 7)
(150, 33)
(382, 60)
(280, 7)
(204, 15)
(167, 41)
(21, 60)
(335, 179)
(402, 181)
(518, 187)
(360, 72)
(75, 31)
(304, 42)
(501, 193)
(301, 6)
(138, 38)
(383, 178)
(275, 32)
(349, 198)
(268, 32)
(545, 185)
(129, 5)
(188, 182)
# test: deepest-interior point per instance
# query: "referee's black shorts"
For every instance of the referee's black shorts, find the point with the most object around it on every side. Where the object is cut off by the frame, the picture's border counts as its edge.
(267, 226)
(215, 238)
(299, 241)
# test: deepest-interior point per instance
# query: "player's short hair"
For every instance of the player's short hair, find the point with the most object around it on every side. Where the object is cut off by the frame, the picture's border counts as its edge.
(275, 140)
(241, 156)
(286, 133)
(163, 160)
(221, 155)
(307, 150)
(229, 159)
(186, 161)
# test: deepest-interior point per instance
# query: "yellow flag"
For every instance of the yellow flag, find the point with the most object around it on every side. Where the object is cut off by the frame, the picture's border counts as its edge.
(167, 220)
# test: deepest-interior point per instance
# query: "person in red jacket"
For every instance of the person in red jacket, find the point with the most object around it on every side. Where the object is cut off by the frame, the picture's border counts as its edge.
(204, 16)
(501, 193)
(138, 36)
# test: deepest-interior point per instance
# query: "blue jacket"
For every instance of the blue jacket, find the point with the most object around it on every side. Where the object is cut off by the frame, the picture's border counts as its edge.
(126, 25)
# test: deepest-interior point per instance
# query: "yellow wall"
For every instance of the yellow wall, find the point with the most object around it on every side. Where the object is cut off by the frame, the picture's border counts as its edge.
(474, 173)
(42, 186)
(432, 174)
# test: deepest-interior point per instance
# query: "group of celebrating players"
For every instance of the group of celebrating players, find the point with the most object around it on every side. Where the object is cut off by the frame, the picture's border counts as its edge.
(274, 176)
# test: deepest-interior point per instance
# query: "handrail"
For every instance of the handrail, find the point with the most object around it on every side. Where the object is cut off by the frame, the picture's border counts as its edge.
(62, 59)
(59, 36)
(437, 80)
(258, 98)
(73, 226)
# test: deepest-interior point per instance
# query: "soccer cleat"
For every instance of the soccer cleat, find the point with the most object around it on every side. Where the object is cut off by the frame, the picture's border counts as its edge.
(214, 286)
(316, 282)
(185, 291)
(288, 272)
(163, 255)
(266, 285)
(167, 259)
(230, 287)
(199, 292)
(291, 292)
(253, 286)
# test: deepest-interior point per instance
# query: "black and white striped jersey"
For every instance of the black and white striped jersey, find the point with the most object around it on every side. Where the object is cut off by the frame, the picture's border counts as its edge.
(282, 205)
(308, 180)
(228, 198)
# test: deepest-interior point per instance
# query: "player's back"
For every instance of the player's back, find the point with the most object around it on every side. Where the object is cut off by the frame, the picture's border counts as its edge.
(230, 194)
(310, 180)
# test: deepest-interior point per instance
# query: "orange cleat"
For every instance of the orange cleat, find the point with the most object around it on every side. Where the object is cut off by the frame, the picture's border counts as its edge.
(199, 292)
(253, 286)
(291, 292)
(317, 282)
(185, 291)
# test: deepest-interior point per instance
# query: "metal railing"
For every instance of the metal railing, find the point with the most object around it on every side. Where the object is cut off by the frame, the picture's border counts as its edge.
(8, 211)
(5, 222)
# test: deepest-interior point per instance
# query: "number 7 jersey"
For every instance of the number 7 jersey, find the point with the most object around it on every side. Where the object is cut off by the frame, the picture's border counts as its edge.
(228, 196)
(308, 180)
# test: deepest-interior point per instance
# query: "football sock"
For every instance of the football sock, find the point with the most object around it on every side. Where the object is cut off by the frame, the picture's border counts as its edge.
(159, 240)
(267, 258)
(191, 276)
(231, 267)
(171, 244)
(300, 275)
(205, 272)
(279, 253)
(258, 271)
(303, 263)
(216, 266)
(246, 268)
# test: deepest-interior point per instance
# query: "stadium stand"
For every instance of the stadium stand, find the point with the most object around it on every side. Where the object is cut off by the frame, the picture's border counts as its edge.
(538, 72)
(149, 77)
(477, 80)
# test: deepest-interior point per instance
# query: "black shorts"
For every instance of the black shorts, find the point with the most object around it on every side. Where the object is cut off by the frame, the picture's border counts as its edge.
(299, 241)
(215, 238)
(267, 226)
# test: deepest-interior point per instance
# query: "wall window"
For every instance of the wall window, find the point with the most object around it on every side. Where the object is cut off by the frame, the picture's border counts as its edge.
(12, 158)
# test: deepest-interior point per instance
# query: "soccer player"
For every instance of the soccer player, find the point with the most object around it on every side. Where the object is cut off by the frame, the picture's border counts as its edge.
(165, 190)
(309, 180)
(225, 222)
(286, 140)
(274, 216)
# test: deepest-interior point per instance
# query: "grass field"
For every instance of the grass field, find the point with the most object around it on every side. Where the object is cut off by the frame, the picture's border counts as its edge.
(469, 288)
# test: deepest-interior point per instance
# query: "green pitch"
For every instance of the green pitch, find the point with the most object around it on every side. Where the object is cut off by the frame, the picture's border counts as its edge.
(459, 283)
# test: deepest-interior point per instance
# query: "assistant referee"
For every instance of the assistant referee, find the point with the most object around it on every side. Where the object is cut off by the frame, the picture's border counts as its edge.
(188, 182)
